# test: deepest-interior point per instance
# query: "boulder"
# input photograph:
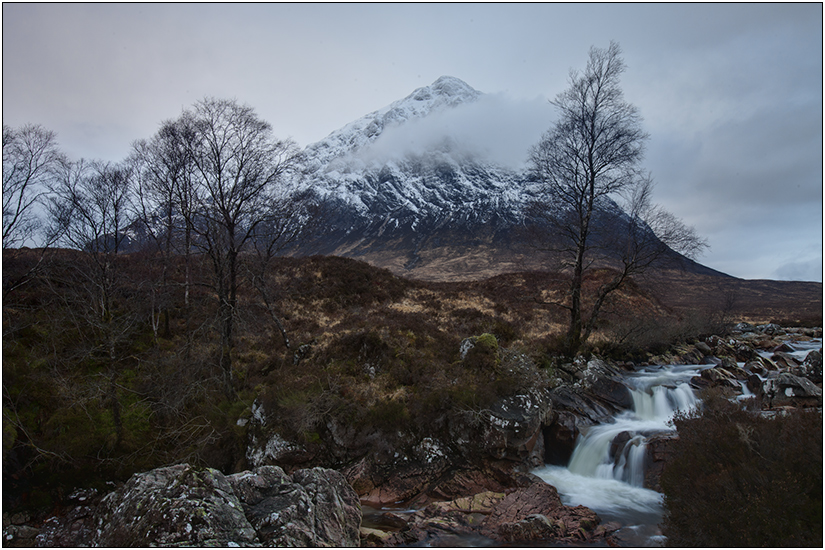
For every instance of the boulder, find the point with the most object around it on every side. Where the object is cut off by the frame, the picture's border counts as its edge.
(743, 327)
(770, 329)
(186, 506)
(755, 366)
(715, 377)
(789, 390)
(754, 384)
(174, 506)
(784, 360)
(784, 347)
(313, 507)
(511, 428)
(703, 348)
(794, 386)
(514, 517)
(811, 367)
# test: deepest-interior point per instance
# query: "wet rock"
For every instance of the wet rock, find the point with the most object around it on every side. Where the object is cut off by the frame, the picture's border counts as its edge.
(714, 377)
(510, 516)
(811, 367)
(754, 384)
(784, 347)
(659, 451)
(784, 360)
(560, 438)
(755, 367)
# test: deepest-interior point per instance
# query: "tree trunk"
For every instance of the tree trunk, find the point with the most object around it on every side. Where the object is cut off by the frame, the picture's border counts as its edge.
(114, 402)
(574, 331)
(226, 343)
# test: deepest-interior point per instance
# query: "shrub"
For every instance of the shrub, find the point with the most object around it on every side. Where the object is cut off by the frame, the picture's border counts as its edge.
(740, 479)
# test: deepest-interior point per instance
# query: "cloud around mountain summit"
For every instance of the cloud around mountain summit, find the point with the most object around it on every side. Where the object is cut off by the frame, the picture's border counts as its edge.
(494, 128)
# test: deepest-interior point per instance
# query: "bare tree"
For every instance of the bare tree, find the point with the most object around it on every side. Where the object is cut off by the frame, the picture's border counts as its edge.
(30, 160)
(164, 174)
(294, 219)
(239, 169)
(586, 162)
(91, 207)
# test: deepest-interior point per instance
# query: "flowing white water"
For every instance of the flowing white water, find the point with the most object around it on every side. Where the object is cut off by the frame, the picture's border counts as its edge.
(606, 471)
(800, 348)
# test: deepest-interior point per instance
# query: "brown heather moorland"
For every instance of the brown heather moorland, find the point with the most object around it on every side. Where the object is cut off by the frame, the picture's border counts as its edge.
(89, 399)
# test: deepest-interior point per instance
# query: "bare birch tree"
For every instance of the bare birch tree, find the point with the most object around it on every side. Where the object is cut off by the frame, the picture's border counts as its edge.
(587, 163)
(239, 169)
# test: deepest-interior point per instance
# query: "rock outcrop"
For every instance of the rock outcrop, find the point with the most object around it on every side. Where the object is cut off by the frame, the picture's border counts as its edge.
(174, 506)
(530, 513)
(313, 507)
(183, 505)
(471, 450)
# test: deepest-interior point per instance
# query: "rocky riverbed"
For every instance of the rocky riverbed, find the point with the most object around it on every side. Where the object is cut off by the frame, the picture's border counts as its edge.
(468, 482)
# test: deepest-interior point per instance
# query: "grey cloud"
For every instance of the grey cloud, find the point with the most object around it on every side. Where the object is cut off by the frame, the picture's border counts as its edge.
(806, 270)
(494, 127)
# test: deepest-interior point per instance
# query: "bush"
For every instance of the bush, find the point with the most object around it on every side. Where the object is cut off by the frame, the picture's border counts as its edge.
(740, 479)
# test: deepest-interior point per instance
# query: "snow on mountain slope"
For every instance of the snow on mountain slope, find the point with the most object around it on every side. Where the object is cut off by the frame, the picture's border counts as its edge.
(445, 92)
(390, 166)
(412, 188)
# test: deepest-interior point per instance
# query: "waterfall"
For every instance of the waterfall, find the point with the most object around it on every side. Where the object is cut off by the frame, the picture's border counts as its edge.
(617, 450)
(607, 469)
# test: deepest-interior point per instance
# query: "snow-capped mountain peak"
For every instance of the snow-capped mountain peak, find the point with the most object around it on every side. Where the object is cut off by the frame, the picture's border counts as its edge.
(445, 92)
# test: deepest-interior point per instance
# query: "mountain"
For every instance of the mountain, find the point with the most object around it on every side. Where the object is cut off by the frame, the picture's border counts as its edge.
(414, 200)
(411, 190)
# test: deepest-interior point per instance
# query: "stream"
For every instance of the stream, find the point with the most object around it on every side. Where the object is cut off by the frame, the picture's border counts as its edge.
(606, 470)
(610, 481)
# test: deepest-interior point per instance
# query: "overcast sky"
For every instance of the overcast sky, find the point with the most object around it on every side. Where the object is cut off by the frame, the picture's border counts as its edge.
(730, 94)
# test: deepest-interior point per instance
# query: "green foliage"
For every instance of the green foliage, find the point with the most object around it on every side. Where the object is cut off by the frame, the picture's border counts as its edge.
(739, 479)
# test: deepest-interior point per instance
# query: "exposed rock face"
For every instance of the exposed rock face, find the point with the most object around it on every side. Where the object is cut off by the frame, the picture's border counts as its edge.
(74, 528)
(185, 506)
(177, 505)
(314, 507)
(537, 512)
(531, 513)
(659, 451)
